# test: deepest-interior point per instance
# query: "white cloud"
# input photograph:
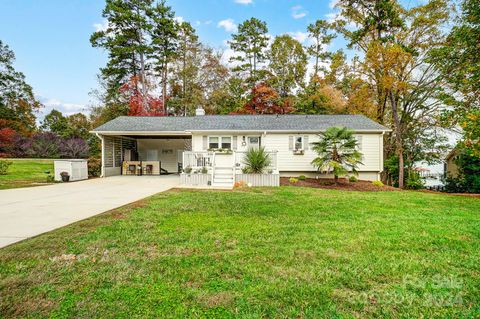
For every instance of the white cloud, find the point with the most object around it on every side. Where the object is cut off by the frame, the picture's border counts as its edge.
(199, 22)
(65, 108)
(298, 15)
(299, 36)
(333, 3)
(226, 55)
(228, 25)
(244, 1)
(179, 19)
(332, 16)
(298, 12)
(103, 26)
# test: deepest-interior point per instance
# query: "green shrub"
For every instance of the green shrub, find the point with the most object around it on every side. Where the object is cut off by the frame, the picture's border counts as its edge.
(50, 179)
(414, 181)
(4, 165)
(468, 179)
(353, 179)
(456, 184)
(302, 177)
(293, 180)
(204, 170)
(94, 166)
(256, 161)
(187, 170)
(377, 183)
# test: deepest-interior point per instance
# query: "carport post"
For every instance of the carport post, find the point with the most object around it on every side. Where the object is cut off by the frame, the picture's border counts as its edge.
(102, 174)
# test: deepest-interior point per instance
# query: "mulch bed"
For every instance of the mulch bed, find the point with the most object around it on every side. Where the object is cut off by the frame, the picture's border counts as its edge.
(343, 184)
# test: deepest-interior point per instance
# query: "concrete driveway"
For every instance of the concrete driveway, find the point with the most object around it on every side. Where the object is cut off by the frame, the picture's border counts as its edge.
(27, 212)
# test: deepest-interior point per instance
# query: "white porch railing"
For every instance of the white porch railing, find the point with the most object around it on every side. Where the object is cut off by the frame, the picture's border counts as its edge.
(196, 160)
(199, 160)
(228, 169)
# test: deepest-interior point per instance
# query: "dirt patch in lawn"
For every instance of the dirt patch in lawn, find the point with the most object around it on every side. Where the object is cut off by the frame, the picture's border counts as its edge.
(343, 184)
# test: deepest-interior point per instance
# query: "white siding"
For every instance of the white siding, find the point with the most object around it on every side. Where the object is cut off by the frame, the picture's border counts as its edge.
(156, 146)
(197, 143)
(372, 149)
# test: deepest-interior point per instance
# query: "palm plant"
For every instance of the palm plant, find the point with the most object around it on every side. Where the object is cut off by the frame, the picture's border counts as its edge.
(337, 150)
(256, 160)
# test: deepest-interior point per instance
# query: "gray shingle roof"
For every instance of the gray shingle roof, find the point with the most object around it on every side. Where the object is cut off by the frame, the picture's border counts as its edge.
(296, 123)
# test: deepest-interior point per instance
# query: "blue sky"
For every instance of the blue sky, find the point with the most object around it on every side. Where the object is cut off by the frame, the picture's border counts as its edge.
(51, 37)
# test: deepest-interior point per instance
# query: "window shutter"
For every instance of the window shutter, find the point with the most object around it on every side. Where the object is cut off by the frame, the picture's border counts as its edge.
(234, 143)
(306, 145)
(205, 142)
(290, 143)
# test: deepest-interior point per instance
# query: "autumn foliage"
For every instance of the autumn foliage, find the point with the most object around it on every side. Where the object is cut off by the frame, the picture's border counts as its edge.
(140, 102)
(6, 140)
(265, 100)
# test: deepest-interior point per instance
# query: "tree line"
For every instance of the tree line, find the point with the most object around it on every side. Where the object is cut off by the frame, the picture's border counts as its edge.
(406, 69)
(20, 136)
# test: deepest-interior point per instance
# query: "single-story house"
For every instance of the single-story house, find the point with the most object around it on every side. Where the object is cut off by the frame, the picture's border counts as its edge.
(215, 144)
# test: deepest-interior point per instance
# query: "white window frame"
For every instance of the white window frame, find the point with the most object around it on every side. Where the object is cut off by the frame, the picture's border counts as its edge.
(220, 144)
(295, 149)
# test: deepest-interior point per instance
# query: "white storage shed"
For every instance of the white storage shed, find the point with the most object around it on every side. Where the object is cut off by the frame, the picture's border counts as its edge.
(76, 168)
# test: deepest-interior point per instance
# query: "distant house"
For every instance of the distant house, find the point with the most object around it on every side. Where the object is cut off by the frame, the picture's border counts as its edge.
(451, 168)
(217, 143)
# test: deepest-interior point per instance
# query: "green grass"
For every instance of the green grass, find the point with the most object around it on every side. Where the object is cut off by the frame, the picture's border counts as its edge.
(288, 252)
(26, 172)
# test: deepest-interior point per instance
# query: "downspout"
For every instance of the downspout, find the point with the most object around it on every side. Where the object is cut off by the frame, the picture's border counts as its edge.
(102, 174)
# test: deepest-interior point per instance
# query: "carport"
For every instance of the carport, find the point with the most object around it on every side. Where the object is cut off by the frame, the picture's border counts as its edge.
(162, 152)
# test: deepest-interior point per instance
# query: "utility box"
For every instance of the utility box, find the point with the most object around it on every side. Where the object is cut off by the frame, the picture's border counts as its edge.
(76, 168)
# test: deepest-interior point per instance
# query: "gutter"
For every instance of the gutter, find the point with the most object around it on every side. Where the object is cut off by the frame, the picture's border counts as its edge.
(186, 133)
(142, 133)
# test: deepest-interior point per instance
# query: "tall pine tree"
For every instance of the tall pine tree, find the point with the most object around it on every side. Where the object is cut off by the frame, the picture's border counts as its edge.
(164, 43)
(318, 32)
(250, 43)
(126, 38)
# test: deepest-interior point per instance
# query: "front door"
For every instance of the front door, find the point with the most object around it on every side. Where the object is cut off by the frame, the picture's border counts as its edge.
(254, 142)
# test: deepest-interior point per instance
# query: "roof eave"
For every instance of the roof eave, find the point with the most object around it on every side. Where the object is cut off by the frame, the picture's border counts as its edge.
(186, 133)
(146, 133)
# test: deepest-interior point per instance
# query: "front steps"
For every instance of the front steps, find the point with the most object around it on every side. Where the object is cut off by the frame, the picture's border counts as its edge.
(223, 177)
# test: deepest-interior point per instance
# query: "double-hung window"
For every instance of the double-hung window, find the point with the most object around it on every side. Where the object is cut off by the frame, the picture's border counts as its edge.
(298, 145)
(220, 142)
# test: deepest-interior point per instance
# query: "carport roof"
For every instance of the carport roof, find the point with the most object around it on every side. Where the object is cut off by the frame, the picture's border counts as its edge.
(206, 123)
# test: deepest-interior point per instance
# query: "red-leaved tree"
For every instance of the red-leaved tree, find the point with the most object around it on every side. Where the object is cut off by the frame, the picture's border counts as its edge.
(141, 103)
(265, 100)
(7, 136)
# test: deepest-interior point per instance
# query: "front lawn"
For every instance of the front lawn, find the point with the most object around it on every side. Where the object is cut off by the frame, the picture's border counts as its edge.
(288, 252)
(26, 172)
